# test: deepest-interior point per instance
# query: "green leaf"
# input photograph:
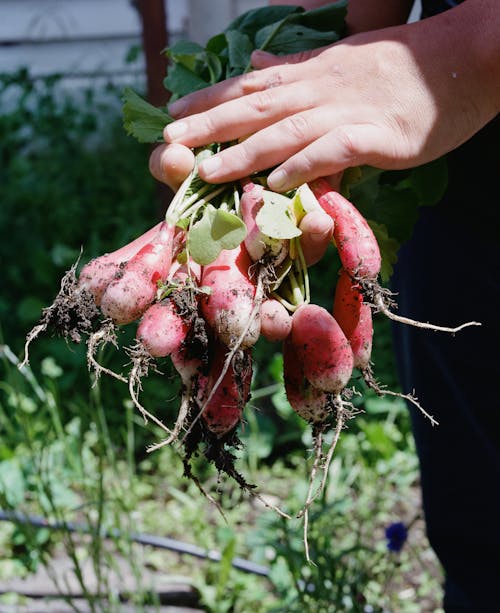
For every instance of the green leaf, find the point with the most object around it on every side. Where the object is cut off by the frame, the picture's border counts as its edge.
(388, 246)
(184, 51)
(429, 181)
(252, 21)
(214, 67)
(12, 482)
(217, 44)
(239, 50)
(181, 81)
(292, 38)
(215, 231)
(304, 201)
(142, 120)
(330, 17)
(276, 218)
(395, 206)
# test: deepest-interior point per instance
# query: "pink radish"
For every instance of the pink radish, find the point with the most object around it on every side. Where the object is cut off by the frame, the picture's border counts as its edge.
(358, 248)
(354, 316)
(184, 273)
(230, 307)
(258, 244)
(162, 330)
(128, 296)
(322, 348)
(275, 320)
(97, 274)
(308, 402)
(224, 409)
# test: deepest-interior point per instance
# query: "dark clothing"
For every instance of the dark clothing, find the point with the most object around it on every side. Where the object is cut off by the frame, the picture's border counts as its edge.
(433, 7)
(473, 196)
(448, 277)
(447, 274)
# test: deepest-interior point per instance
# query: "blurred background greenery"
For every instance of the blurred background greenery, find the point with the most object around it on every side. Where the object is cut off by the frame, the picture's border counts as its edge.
(74, 450)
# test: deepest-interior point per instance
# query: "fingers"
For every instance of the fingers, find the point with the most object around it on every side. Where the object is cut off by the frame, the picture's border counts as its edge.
(238, 118)
(171, 164)
(232, 88)
(317, 231)
(270, 146)
(340, 148)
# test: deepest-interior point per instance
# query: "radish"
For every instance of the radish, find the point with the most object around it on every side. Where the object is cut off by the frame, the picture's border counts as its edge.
(182, 274)
(128, 296)
(257, 243)
(360, 255)
(357, 246)
(354, 316)
(308, 402)
(162, 329)
(223, 405)
(97, 274)
(275, 320)
(231, 306)
(322, 348)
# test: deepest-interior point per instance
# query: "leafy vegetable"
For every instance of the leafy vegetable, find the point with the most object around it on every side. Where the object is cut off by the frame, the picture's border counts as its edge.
(216, 230)
(276, 218)
(142, 120)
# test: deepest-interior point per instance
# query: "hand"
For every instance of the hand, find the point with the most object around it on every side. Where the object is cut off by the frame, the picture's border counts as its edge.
(171, 164)
(392, 98)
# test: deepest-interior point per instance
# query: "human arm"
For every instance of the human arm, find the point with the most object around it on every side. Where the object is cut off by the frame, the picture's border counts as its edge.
(391, 98)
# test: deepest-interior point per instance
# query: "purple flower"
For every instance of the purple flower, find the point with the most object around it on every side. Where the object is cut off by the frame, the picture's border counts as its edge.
(396, 535)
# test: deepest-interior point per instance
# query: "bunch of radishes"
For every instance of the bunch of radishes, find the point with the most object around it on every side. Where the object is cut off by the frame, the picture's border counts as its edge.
(225, 267)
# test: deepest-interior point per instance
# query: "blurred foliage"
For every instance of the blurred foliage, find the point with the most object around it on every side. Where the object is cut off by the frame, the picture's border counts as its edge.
(72, 184)
(70, 180)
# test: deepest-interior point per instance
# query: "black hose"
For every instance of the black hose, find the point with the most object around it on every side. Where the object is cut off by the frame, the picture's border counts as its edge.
(160, 542)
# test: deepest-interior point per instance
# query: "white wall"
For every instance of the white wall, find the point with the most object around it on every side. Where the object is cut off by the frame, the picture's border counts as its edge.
(77, 37)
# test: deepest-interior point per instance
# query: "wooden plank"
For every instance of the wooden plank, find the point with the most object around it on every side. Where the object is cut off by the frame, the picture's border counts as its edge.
(169, 589)
(154, 41)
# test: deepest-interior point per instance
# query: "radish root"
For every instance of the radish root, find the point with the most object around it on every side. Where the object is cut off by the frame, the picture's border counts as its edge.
(106, 334)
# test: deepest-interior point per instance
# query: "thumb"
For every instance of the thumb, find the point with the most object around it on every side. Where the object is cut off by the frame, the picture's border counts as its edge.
(264, 59)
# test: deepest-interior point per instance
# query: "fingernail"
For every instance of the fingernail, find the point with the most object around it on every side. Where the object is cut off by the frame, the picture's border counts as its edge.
(178, 107)
(277, 180)
(175, 129)
(210, 165)
(318, 237)
(154, 163)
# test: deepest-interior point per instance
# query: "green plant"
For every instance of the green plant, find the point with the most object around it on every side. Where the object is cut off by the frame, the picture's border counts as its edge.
(73, 477)
(373, 484)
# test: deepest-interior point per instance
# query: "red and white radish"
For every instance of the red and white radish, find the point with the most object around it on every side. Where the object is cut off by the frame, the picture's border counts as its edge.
(308, 402)
(257, 243)
(127, 297)
(222, 400)
(357, 246)
(275, 320)
(322, 348)
(354, 316)
(97, 274)
(230, 306)
(162, 330)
